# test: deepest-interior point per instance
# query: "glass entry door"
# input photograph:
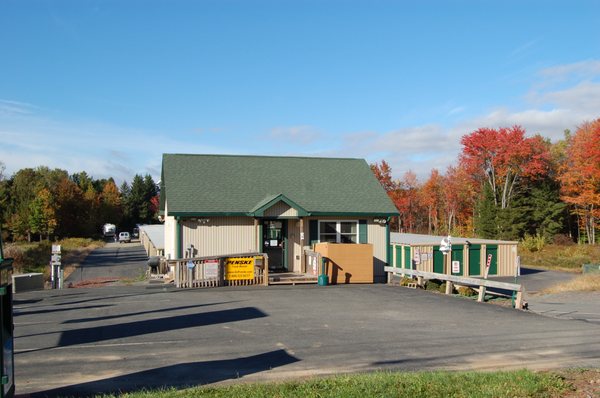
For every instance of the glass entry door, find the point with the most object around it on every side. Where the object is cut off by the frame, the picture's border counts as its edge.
(275, 244)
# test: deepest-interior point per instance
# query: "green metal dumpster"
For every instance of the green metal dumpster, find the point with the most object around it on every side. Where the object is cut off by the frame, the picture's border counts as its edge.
(7, 376)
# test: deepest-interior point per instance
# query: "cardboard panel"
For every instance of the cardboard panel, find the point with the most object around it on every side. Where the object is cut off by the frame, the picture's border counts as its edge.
(347, 263)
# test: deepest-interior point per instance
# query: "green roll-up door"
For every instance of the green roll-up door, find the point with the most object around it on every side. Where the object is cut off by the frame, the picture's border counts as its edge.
(493, 250)
(362, 231)
(457, 255)
(438, 260)
(313, 231)
(475, 260)
(398, 263)
(407, 259)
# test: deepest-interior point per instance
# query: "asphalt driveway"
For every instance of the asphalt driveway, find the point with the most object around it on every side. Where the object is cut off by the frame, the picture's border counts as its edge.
(113, 262)
(123, 338)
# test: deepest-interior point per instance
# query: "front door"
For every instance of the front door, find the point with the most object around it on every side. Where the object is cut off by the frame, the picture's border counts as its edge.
(275, 244)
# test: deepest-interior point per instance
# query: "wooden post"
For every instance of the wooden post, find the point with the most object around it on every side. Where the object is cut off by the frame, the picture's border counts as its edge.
(519, 300)
(449, 287)
(481, 297)
(266, 269)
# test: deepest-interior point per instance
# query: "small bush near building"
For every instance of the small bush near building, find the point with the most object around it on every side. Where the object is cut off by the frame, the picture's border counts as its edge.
(466, 291)
(432, 285)
(533, 243)
(405, 281)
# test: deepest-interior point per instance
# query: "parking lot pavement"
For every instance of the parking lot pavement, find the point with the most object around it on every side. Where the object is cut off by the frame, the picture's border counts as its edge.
(123, 338)
(583, 306)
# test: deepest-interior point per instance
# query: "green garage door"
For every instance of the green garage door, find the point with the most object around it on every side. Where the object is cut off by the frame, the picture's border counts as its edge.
(457, 255)
(493, 250)
(407, 258)
(438, 260)
(474, 260)
(398, 263)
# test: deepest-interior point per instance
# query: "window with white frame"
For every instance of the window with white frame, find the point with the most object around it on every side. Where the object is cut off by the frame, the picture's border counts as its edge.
(338, 231)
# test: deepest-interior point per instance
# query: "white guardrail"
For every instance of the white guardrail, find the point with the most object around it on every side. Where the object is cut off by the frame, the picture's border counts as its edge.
(463, 280)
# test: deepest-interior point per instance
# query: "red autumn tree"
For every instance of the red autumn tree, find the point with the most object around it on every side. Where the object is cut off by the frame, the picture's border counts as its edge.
(504, 158)
(383, 173)
(579, 176)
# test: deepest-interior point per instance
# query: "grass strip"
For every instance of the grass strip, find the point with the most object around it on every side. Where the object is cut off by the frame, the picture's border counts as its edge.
(582, 283)
(521, 383)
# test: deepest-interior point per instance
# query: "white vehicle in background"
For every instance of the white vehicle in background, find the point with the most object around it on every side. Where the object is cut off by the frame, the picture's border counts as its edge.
(124, 237)
(109, 230)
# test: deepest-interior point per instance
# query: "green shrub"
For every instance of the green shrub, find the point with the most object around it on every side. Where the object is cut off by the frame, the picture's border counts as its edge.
(432, 285)
(533, 243)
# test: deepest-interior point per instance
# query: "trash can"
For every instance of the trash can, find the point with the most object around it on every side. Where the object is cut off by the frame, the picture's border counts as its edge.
(323, 279)
(7, 376)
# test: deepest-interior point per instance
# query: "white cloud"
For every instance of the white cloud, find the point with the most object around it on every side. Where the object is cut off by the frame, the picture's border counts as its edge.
(302, 135)
(580, 70)
(564, 97)
(13, 108)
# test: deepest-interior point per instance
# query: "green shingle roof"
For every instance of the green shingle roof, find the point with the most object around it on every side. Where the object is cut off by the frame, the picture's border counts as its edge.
(238, 185)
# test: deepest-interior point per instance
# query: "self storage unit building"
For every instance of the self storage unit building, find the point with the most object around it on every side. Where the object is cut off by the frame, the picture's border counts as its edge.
(468, 257)
(217, 205)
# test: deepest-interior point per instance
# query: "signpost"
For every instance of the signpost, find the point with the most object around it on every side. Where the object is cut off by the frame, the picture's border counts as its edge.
(57, 275)
(481, 297)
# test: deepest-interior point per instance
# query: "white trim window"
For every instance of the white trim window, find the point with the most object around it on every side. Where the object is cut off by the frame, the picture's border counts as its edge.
(338, 231)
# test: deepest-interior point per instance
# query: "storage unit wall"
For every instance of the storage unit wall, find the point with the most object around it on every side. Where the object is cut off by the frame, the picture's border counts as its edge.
(421, 252)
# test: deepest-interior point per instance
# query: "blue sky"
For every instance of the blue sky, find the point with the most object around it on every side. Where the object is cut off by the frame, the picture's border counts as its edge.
(108, 86)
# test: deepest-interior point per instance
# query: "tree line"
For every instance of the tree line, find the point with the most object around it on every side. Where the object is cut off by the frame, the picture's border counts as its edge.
(43, 203)
(505, 185)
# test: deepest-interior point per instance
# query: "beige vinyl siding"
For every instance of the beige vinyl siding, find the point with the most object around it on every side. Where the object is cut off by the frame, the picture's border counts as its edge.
(170, 235)
(281, 209)
(425, 257)
(507, 259)
(376, 235)
(220, 235)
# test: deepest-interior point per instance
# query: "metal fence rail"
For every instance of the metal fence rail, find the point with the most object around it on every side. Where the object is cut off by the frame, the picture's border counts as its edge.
(201, 272)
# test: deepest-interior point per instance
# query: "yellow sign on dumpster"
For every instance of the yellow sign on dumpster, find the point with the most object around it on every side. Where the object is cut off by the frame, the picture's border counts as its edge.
(239, 268)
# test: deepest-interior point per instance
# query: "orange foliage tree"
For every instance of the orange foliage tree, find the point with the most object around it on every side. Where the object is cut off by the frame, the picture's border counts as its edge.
(431, 196)
(458, 199)
(579, 176)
